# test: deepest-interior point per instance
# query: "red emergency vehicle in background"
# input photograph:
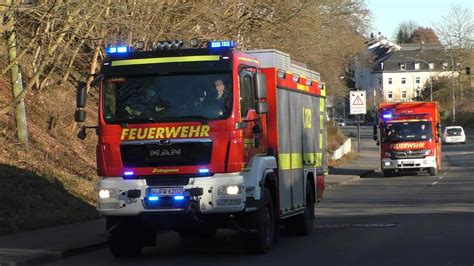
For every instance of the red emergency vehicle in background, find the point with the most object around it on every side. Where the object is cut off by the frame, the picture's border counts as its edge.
(409, 137)
(195, 139)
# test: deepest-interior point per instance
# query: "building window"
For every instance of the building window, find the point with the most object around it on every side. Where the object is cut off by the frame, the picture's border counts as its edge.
(379, 81)
(390, 95)
(417, 66)
(404, 94)
(402, 66)
(404, 80)
(389, 80)
(417, 80)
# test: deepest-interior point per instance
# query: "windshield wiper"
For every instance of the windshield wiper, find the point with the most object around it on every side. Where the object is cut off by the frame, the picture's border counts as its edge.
(198, 118)
(125, 121)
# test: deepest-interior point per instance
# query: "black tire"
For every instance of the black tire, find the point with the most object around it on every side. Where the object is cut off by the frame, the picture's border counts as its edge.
(125, 239)
(303, 223)
(264, 223)
(433, 171)
(388, 173)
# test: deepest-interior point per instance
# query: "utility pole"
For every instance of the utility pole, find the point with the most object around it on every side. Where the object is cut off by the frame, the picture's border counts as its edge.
(16, 82)
(454, 97)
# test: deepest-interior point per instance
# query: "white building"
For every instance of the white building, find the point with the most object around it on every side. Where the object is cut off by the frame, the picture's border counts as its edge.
(399, 73)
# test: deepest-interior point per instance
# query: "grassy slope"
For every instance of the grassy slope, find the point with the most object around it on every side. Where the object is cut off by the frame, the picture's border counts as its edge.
(52, 180)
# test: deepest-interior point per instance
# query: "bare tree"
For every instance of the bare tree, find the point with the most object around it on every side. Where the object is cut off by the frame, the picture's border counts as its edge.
(456, 30)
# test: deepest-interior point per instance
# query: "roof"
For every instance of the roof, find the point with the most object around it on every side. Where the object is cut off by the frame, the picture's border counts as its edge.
(409, 57)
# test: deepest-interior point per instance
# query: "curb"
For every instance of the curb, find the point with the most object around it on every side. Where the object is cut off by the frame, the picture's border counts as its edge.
(57, 255)
(351, 179)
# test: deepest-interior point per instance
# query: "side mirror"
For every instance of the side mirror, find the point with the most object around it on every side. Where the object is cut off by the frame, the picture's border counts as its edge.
(262, 108)
(81, 95)
(260, 86)
(82, 134)
(80, 115)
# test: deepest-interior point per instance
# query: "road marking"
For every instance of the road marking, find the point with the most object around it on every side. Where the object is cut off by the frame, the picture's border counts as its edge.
(434, 183)
(366, 225)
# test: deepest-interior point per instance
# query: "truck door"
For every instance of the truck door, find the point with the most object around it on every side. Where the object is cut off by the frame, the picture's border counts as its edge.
(253, 132)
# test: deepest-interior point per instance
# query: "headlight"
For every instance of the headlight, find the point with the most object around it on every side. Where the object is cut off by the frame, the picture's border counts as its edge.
(426, 152)
(108, 193)
(228, 190)
(388, 163)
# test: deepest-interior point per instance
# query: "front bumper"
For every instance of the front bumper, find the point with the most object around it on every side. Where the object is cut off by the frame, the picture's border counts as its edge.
(132, 196)
(401, 164)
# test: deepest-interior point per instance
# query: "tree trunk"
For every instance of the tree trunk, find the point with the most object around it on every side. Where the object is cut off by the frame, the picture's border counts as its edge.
(16, 82)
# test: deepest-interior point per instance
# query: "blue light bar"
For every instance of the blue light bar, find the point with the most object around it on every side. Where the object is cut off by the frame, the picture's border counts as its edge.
(221, 44)
(203, 170)
(117, 49)
(387, 116)
(178, 197)
(153, 198)
(128, 173)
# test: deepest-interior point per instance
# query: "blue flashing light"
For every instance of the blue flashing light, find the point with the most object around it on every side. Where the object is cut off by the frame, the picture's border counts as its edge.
(117, 49)
(203, 171)
(221, 44)
(178, 197)
(122, 49)
(128, 173)
(387, 116)
(153, 198)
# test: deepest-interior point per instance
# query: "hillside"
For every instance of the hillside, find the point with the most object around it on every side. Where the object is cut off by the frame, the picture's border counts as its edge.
(52, 180)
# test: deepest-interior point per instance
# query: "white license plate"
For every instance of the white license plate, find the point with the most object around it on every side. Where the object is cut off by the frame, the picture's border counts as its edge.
(166, 191)
(409, 162)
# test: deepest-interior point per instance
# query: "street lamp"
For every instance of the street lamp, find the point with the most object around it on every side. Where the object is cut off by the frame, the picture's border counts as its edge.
(429, 69)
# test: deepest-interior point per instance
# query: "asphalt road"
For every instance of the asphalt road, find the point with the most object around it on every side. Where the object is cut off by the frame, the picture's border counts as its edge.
(413, 219)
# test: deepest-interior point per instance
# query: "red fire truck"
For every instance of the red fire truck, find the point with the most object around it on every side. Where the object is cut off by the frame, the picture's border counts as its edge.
(196, 139)
(409, 137)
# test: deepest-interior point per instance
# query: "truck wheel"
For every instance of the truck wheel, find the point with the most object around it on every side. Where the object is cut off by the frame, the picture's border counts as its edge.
(264, 221)
(126, 240)
(388, 173)
(303, 223)
(433, 171)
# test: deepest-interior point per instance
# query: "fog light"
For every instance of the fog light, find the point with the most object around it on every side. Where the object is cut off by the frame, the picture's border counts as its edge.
(229, 190)
(108, 193)
(104, 194)
(232, 190)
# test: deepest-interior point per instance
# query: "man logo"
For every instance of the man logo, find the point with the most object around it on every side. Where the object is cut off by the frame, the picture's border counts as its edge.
(165, 152)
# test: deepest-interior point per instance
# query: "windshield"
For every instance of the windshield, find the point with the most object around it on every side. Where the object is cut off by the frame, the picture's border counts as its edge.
(165, 98)
(453, 132)
(407, 131)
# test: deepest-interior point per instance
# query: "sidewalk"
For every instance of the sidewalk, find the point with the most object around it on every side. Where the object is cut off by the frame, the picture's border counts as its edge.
(44, 245)
(367, 162)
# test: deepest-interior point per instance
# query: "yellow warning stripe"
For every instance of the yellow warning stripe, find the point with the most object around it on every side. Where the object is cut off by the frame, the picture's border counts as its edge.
(161, 60)
(302, 87)
(248, 60)
(288, 161)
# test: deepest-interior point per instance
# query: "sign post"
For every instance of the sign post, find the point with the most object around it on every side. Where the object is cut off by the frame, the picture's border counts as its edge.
(358, 106)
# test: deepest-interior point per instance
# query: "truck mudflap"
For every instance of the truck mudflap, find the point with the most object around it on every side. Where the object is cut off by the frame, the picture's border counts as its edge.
(220, 193)
(319, 187)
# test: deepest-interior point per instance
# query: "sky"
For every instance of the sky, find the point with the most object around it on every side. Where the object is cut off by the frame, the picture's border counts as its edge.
(388, 14)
